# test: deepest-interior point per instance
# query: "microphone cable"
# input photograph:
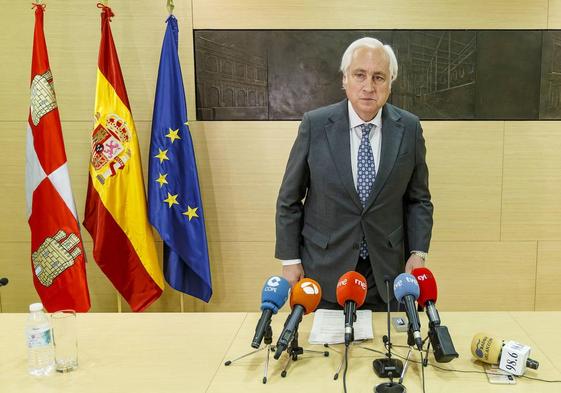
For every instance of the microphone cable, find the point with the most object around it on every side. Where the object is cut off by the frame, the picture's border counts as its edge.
(345, 370)
(466, 371)
(422, 371)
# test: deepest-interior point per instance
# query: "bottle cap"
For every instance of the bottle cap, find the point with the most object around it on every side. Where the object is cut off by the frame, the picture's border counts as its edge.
(35, 307)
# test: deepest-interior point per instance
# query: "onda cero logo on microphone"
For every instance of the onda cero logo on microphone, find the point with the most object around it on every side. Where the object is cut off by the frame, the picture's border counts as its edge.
(309, 288)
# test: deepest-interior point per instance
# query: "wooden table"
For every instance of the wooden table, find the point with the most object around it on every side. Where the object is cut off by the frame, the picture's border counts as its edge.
(185, 352)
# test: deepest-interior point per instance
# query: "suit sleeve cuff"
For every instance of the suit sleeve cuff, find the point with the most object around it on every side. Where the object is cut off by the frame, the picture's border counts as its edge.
(287, 262)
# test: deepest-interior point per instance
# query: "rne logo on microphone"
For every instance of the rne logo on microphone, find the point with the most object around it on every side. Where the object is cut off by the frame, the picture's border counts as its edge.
(422, 277)
(309, 288)
(274, 281)
(342, 283)
(361, 283)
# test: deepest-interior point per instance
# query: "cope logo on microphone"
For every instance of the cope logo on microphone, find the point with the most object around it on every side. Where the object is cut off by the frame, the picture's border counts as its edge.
(274, 281)
(309, 288)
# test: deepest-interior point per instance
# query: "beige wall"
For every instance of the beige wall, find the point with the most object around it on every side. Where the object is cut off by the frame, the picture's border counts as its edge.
(496, 185)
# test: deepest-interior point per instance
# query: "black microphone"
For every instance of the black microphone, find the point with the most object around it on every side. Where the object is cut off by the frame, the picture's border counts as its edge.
(406, 290)
(3, 281)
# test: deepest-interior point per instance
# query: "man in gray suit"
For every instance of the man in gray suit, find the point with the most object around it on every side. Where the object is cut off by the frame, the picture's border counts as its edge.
(355, 192)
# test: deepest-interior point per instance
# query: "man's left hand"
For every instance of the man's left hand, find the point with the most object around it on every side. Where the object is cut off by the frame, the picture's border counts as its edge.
(414, 262)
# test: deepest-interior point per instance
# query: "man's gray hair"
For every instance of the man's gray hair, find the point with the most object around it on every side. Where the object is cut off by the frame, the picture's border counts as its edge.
(368, 42)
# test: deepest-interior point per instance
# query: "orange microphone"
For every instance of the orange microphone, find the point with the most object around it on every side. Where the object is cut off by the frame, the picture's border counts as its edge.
(305, 296)
(351, 293)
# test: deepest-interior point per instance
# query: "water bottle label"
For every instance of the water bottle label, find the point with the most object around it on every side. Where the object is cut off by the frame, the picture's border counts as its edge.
(39, 337)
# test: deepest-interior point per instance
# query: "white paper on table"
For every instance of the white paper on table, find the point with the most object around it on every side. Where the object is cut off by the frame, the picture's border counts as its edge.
(329, 326)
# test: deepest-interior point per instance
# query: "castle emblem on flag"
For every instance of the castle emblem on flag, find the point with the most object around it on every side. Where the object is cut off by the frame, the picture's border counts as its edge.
(43, 98)
(110, 149)
(54, 256)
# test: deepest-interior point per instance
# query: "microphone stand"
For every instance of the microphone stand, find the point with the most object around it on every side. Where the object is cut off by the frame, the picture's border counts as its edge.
(294, 350)
(3, 282)
(268, 340)
(388, 367)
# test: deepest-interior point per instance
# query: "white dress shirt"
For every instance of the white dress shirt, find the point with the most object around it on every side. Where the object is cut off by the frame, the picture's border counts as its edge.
(355, 133)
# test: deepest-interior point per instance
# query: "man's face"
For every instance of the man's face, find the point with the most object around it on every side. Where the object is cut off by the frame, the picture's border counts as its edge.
(367, 81)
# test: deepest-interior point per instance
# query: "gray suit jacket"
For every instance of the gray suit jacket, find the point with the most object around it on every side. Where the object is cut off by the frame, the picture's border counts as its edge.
(319, 215)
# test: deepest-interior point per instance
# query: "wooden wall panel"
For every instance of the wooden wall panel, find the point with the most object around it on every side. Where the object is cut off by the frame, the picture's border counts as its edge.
(465, 169)
(548, 294)
(72, 31)
(554, 14)
(477, 240)
(239, 270)
(532, 181)
(317, 14)
(241, 165)
(484, 276)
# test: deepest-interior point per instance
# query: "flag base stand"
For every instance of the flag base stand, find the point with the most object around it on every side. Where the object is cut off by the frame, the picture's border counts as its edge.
(294, 350)
(268, 340)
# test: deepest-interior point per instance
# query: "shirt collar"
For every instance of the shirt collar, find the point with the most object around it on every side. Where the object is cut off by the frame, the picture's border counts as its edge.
(355, 120)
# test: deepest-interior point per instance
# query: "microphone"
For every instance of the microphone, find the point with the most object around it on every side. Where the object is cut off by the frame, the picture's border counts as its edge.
(351, 293)
(427, 293)
(406, 290)
(511, 356)
(273, 296)
(3, 281)
(439, 336)
(304, 299)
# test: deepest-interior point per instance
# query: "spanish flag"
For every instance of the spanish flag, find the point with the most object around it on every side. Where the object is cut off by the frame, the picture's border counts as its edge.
(115, 215)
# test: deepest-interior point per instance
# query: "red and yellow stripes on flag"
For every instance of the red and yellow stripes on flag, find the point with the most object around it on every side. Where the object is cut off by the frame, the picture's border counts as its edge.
(57, 252)
(116, 215)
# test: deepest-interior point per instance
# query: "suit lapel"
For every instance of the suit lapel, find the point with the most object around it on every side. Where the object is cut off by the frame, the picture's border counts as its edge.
(337, 130)
(392, 133)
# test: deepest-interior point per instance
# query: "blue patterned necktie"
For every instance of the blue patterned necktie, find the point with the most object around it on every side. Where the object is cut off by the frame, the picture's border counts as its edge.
(366, 173)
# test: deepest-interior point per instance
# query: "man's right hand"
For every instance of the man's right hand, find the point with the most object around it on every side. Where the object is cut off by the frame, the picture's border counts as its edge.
(293, 273)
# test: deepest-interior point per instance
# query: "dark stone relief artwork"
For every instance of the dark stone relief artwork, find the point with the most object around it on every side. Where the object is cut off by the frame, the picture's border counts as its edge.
(550, 94)
(443, 74)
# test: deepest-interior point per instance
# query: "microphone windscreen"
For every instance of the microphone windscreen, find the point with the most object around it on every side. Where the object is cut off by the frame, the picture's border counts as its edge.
(306, 293)
(405, 284)
(486, 348)
(274, 293)
(427, 285)
(351, 286)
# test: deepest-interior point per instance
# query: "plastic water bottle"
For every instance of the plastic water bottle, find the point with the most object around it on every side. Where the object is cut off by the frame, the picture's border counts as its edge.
(40, 349)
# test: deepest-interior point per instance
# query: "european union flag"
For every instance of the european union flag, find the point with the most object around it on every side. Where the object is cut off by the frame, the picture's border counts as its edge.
(174, 198)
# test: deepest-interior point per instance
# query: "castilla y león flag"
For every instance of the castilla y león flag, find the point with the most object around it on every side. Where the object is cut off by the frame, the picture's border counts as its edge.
(57, 252)
(115, 215)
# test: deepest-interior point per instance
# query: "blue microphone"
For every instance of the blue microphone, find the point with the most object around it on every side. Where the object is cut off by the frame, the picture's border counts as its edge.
(273, 296)
(406, 290)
